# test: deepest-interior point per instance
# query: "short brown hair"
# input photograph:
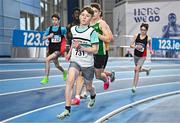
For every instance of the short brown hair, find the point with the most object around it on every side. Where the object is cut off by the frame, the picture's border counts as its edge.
(145, 25)
(56, 16)
(96, 5)
(88, 9)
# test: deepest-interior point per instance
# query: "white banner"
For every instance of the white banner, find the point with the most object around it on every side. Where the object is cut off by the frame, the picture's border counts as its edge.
(155, 14)
(129, 16)
(163, 19)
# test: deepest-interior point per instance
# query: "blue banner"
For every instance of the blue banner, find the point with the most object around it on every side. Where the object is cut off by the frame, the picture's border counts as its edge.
(24, 38)
(165, 44)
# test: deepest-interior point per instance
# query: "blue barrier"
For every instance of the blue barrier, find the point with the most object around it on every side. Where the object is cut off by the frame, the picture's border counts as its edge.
(24, 38)
(165, 44)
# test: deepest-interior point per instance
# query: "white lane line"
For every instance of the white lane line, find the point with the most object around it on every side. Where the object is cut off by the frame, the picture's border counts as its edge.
(109, 67)
(97, 81)
(14, 79)
(37, 77)
(111, 114)
(22, 70)
(57, 104)
(34, 89)
(35, 63)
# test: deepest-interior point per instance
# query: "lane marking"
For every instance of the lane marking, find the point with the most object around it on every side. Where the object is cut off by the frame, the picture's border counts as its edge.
(119, 110)
(35, 63)
(96, 81)
(57, 104)
(110, 67)
(25, 78)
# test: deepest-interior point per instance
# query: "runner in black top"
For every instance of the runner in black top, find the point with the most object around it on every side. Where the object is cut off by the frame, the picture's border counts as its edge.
(139, 43)
(55, 35)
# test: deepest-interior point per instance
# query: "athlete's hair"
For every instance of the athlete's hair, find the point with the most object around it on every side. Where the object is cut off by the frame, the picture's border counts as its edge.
(56, 16)
(76, 9)
(88, 9)
(101, 15)
(96, 5)
(145, 25)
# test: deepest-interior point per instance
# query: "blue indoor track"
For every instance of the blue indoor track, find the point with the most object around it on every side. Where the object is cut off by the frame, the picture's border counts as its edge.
(24, 99)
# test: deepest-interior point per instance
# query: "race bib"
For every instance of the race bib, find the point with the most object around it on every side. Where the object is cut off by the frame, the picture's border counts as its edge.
(79, 53)
(56, 39)
(140, 47)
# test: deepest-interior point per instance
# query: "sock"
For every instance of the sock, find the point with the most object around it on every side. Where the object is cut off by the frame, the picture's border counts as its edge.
(68, 108)
(92, 97)
(77, 96)
(92, 93)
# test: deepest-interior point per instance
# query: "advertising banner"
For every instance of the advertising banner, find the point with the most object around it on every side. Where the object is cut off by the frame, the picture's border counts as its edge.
(24, 38)
(163, 19)
(166, 44)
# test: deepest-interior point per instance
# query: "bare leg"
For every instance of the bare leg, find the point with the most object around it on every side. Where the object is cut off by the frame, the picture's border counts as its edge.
(92, 92)
(79, 85)
(100, 75)
(136, 77)
(68, 93)
(108, 73)
(69, 84)
(47, 63)
(56, 62)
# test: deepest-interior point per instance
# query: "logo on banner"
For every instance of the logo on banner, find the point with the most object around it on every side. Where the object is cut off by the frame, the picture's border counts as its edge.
(24, 38)
(147, 14)
(166, 44)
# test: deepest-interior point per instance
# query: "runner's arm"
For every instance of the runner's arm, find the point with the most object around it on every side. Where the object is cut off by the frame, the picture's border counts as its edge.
(132, 44)
(104, 27)
(92, 49)
(150, 44)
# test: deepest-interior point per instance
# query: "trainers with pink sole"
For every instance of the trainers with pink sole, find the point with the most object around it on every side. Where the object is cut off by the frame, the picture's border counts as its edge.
(75, 101)
(106, 84)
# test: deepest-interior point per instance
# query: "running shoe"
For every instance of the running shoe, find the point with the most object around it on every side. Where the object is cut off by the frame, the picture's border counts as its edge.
(133, 90)
(44, 80)
(64, 114)
(65, 75)
(148, 71)
(83, 97)
(106, 84)
(83, 93)
(91, 102)
(75, 101)
(112, 76)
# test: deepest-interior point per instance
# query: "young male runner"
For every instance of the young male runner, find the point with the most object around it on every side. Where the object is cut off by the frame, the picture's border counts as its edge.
(101, 57)
(105, 36)
(139, 43)
(84, 45)
(54, 34)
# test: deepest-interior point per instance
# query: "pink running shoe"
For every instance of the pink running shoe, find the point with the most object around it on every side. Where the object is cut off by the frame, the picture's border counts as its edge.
(75, 101)
(106, 84)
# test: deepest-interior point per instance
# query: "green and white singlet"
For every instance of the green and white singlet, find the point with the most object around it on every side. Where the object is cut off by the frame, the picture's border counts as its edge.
(86, 37)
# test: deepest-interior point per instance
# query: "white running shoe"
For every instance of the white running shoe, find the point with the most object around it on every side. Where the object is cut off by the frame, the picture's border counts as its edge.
(91, 102)
(133, 89)
(83, 93)
(64, 114)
